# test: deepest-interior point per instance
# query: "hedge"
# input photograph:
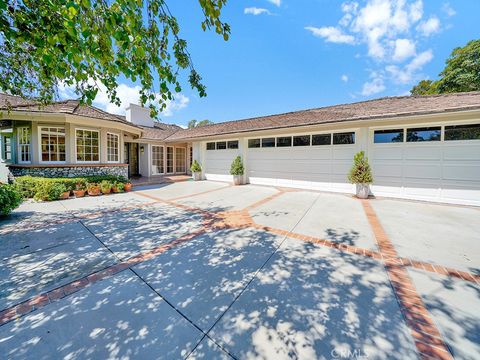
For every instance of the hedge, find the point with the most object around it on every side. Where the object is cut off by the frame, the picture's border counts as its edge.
(41, 188)
(10, 198)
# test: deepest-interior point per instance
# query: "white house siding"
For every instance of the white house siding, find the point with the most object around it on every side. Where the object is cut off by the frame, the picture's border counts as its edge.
(438, 171)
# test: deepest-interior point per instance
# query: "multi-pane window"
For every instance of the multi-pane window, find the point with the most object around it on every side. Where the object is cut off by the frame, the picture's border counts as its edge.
(388, 136)
(462, 132)
(52, 142)
(112, 148)
(180, 160)
(7, 148)
(284, 141)
(303, 140)
(221, 145)
(158, 166)
(344, 138)
(254, 143)
(24, 146)
(87, 142)
(210, 146)
(232, 144)
(268, 142)
(169, 159)
(321, 139)
(423, 134)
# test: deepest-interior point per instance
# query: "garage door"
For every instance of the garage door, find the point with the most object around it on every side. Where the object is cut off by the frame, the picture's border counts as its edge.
(218, 159)
(309, 161)
(436, 163)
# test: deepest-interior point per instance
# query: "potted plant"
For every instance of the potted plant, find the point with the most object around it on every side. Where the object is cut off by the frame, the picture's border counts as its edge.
(196, 170)
(118, 187)
(128, 186)
(93, 189)
(64, 195)
(80, 189)
(106, 187)
(237, 170)
(361, 175)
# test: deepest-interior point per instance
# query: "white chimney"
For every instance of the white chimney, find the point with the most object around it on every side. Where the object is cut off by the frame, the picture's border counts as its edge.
(138, 115)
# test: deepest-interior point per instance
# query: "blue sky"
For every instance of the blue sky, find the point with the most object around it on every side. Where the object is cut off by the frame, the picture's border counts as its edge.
(286, 55)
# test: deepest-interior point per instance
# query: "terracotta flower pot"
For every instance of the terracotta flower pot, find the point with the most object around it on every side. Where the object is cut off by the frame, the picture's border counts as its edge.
(94, 191)
(128, 187)
(65, 195)
(106, 191)
(79, 193)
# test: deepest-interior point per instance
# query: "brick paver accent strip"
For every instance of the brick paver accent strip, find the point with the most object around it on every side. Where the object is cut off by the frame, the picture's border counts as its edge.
(427, 337)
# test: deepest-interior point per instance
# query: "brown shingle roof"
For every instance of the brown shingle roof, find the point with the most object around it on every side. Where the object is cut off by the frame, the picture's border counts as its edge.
(160, 131)
(72, 107)
(387, 107)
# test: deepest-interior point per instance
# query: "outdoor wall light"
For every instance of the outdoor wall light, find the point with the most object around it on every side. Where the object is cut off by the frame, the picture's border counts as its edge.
(142, 149)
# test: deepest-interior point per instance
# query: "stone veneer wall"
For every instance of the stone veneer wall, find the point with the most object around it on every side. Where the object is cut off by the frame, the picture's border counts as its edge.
(69, 170)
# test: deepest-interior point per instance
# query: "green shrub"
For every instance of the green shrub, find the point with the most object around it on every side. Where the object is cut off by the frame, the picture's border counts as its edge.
(360, 173)
(105, 186)
(49, 190)
(195, 167)
(10, 198)
(237, 166)
(119, 186)
(28, 186)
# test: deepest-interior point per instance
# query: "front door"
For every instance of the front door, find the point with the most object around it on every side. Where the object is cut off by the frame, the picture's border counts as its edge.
(131, 158)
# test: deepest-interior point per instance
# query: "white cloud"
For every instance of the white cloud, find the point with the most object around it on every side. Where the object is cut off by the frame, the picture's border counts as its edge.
(448, 10)
(374, 86)
(429, 27)
(256, 11)
(275, 2)
(344, 78)
(127, 94)
(393, 33)
(331, 34)
(408, 73)
(404, 48)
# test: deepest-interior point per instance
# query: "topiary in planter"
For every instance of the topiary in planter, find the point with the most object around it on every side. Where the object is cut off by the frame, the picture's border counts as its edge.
(361, 174)
(10, 198)
(196, 170)
(237, 169)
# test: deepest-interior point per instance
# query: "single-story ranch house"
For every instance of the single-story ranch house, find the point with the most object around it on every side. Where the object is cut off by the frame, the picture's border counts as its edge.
(422, 148)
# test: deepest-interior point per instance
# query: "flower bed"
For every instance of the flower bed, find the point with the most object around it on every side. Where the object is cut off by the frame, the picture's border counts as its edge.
(48, 189)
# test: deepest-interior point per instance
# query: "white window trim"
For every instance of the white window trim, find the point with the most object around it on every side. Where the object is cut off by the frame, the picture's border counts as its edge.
(99, 146)
(106, 146)
(40, 161)
(19, 146)
(163, 159)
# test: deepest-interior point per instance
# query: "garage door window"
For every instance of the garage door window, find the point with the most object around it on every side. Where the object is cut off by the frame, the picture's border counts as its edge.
(211, 146)
(284, 141)
(268, 142)
(387, 136)
(303, 140)
(344, 138)
(462, 132)
(254, 143)
(322, 139)
(221, 145)
(423, 134)
(232, 144)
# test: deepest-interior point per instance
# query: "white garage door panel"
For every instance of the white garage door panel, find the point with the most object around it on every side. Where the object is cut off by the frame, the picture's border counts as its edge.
(217, 164)
(469, 172)
(309, 167)
(441, 171)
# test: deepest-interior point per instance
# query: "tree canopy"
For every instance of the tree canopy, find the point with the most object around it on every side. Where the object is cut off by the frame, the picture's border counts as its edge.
(195, 123)
(461, 73)
(88, 43)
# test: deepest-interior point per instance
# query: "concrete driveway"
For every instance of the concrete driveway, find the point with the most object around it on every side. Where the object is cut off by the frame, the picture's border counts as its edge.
(204, 270)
